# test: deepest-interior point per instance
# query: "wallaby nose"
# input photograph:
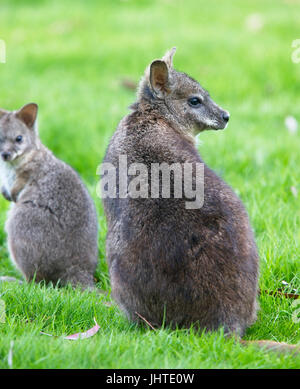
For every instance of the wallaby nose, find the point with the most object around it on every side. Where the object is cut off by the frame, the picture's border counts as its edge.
(5, 155)
(226, 116)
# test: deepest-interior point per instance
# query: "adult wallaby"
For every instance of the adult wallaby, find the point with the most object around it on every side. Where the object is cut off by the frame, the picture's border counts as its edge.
(52, 226)
(170, 264)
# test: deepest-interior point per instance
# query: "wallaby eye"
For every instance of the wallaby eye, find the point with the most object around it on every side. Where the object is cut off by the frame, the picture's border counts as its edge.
(194, 102)
(19, 139)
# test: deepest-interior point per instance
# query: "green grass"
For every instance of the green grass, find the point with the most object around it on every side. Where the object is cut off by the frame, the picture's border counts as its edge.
(71, 57)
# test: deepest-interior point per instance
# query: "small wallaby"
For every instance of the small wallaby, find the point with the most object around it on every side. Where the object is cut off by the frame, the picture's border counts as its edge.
(169, 264)
(52, 225)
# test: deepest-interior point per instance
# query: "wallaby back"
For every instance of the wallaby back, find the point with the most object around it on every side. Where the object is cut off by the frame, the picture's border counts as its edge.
(169, 264)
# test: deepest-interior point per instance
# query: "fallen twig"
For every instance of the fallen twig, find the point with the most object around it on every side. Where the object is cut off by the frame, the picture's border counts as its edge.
(279, 292)
(146, 321)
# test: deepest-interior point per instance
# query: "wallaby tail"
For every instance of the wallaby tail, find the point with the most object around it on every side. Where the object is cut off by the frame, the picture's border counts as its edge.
(279, 347)
(10, 279)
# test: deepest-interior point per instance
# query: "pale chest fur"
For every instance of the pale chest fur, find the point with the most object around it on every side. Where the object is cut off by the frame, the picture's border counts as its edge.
(7, 176)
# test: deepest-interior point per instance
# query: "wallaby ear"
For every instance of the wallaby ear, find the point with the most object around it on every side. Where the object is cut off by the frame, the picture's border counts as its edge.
(159, 78)
(28, 114)
(168, 57)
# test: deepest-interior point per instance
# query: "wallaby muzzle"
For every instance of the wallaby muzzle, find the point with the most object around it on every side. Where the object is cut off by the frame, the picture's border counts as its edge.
(6, 156)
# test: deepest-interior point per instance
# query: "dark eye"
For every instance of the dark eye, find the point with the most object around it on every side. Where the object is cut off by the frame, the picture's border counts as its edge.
(19, 139)
(194, 102)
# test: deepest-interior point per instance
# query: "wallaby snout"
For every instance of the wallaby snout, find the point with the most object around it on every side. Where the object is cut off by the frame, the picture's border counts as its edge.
(212, 116)
(226, 116)
(223, 122)
(6, 156)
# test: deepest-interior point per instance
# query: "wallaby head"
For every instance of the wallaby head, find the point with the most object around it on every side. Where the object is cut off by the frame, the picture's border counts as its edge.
(18, 133)
(179, 97)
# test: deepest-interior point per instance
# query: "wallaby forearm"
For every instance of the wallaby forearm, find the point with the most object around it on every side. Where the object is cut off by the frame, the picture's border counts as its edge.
(14, 192)
(16, 189)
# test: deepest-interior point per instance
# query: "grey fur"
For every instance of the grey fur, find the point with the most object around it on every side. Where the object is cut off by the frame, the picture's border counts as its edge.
(52, 225)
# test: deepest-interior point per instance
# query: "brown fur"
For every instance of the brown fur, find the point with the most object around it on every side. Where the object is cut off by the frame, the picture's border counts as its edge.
(170, 264)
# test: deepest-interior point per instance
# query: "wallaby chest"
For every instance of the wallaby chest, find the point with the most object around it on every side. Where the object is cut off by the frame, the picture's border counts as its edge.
(7, 176)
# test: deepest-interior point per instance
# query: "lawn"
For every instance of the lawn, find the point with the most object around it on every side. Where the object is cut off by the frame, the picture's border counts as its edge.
(72, 57)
